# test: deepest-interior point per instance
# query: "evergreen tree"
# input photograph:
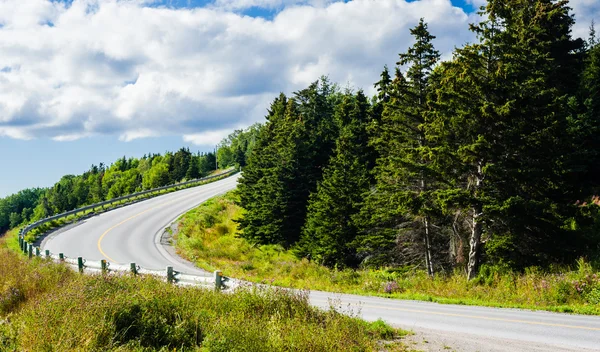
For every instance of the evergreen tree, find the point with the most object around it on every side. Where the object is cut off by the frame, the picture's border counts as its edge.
(403, 173)
(288, 161)
(330, 229)
(262, 219)
(193, 171)
(504, 104)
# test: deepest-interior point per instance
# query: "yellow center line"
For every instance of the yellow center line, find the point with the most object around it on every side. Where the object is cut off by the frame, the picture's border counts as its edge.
(131, 218)
(478, 317)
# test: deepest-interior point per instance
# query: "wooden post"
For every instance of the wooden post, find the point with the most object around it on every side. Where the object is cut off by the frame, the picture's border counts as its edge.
(37, 251)
(80, 264)
(133, 269)
(30, 250)
(170, 275)
(218, 280)
(104, 266)
(61, 257)
(47, 253)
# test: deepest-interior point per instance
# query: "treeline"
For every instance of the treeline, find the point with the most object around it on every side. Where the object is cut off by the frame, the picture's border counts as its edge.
(489, 158)
(124, 176)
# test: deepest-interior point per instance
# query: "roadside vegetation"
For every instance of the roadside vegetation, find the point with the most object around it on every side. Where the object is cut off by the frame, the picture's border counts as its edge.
(48, 307)
(209, 237)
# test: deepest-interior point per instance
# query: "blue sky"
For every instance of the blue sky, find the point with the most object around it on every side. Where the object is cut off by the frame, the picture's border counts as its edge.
(88, 81)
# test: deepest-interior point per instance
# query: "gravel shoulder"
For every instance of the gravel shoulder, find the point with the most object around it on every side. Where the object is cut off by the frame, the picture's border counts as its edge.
(443, 341)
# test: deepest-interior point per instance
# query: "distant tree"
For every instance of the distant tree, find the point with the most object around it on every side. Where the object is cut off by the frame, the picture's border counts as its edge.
(193, 171)
(15, 220)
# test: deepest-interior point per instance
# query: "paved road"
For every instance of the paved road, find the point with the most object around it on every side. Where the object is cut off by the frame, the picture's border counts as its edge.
(132, 234)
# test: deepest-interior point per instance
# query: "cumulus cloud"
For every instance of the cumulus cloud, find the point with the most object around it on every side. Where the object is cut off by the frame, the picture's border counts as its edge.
(267, 4)
(585, 12)
(81, 68)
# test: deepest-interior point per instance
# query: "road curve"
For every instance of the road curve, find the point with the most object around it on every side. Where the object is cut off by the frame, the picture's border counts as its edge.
(132, 234)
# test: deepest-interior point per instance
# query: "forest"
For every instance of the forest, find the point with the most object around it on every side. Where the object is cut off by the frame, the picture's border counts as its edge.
(489, 159)
(124, 176)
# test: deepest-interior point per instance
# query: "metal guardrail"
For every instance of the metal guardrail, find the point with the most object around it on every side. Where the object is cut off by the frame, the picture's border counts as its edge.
(217, 280)
(172, 276)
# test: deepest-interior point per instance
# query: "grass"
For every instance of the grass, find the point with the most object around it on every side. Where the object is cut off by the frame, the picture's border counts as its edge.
(207, 236)
(48, 307)
(34, 234)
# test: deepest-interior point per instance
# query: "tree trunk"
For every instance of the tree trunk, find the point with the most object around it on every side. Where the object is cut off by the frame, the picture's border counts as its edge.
(428, 260)
(474, 244)
(477, 229)
(427, 235)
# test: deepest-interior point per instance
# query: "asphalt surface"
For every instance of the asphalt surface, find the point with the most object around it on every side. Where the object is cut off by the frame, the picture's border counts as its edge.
(132, 234)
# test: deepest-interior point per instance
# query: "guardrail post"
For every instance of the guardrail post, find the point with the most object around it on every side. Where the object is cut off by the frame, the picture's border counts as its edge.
(61, 257)
(218, 280)
(80, 264)
(103, 266)
(47, 253)
(133, 269)
(30, 250)
(20, 242)
(170, 275)
(37, 251)
(24, 247)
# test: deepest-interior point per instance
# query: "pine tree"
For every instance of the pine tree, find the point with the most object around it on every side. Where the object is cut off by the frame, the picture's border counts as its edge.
(504, 100)
(286, 166)
(403, 173)
(262, 220)
(330, 230)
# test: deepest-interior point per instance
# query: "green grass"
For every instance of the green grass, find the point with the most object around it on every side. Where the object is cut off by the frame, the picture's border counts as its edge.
(48, 307)
(207, 236)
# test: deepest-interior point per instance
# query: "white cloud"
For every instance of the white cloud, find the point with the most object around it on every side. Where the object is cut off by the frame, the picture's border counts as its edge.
(209, 138)
(121, 68)
(267, 4)
(585, 11)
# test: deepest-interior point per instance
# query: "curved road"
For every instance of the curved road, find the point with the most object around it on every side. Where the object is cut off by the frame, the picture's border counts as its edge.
(132, 234)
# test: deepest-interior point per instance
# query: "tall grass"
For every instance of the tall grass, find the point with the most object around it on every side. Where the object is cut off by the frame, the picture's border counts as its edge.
(207, 236)
(47, 307)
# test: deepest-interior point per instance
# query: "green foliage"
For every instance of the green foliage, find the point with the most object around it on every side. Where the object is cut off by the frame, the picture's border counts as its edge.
(488, 158)
(17, 208)
(330, 230)
(284, 167)
(406, 178)
(235, 149)
(48, 307)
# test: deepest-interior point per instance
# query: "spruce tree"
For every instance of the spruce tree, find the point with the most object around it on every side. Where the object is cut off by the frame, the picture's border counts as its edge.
(285, 167)
(330, 230)
(403, 173)
(258, 185)
(504, 100)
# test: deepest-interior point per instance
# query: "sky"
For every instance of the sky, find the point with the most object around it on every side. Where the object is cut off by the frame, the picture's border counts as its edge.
(89, 81)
